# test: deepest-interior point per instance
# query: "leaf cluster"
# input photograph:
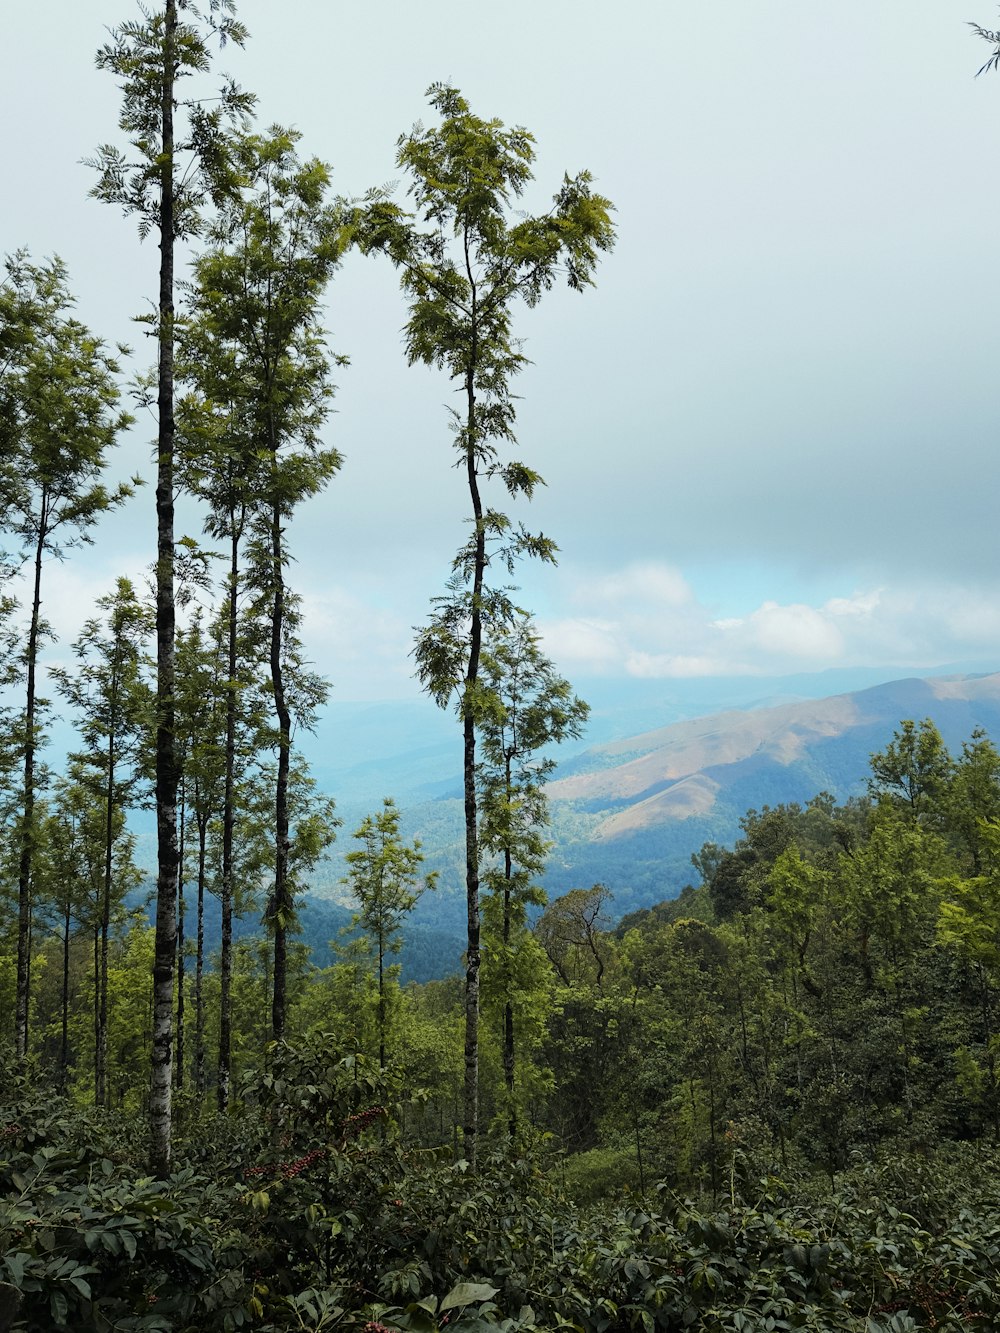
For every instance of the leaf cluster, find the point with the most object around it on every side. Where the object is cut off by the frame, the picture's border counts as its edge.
(143, 55)
(59, 413)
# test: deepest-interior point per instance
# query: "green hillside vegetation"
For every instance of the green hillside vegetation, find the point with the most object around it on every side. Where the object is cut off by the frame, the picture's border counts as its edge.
(776, 1097)
(630, 812)
(773, 755)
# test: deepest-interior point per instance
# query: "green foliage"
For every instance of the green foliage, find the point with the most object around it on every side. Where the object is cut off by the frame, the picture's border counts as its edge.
(384, 876)
(599, 1174)
(93, 1243)
(251, 347)
(384, 880)
(59, 415)
(59, 404)
(141, 54)
(532, 709)
(573, 932)
(304, 1213)
(463, 277)
(914, 770)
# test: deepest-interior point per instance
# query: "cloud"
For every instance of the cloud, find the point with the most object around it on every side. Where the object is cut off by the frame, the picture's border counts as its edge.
(796, 631)
(859, 604)
(361, 644)
(581, 640)
(70, 593)
(363, 649)
(656, 586)
(644, 620)
(674, 633)
(656, 666)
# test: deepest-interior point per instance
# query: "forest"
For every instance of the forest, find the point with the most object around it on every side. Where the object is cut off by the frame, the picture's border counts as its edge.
(772, 1103)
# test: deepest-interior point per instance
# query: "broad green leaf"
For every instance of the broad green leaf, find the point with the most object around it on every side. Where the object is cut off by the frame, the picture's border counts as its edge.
(465, 1293)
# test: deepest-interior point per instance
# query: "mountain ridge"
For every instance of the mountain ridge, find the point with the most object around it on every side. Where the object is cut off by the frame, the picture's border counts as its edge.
(691, 757)
(630, 811)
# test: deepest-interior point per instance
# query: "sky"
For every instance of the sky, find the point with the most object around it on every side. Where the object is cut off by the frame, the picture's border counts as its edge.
(769, 431)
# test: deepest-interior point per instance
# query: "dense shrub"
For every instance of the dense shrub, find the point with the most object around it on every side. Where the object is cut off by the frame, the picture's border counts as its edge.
(302, 1211)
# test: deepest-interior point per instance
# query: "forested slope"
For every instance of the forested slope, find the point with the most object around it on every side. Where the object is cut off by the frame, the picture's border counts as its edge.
(630, 813)
(787, 1077)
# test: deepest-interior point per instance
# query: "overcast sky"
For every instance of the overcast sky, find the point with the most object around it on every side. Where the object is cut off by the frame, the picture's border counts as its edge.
(769, 432)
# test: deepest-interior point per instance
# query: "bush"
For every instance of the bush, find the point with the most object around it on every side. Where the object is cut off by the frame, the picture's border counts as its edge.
(600, 1173)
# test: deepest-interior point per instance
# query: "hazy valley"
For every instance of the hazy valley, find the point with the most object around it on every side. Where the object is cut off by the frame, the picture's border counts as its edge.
(627, 811)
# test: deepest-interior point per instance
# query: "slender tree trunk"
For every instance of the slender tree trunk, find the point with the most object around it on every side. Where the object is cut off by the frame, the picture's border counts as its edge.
(101, 1062)
(281, 901)
(472, 954)
(97, 993)
(166, 760)
(23, 998)
(381, 1004)
(228, 820)
(199, 967)
(265, 955)
(508, 1004)
(508, 1008)
(470, 1127)
(64, 1001)
(181, 909)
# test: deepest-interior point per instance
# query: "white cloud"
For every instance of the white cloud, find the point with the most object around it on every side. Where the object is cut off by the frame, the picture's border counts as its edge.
(858, 604)
(795, 631)
(641, 621)
(678, 635)
(580, 641)
(361, 647)
(659, 665)
(655, 585)
(70, 593)
(364, 650)
(973, 618)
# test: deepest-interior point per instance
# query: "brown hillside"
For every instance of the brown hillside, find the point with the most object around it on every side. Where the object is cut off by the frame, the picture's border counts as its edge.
(691, 796)
(687, 748)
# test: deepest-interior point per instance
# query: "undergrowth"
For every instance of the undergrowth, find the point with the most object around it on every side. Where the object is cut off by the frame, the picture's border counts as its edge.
(302, 1211)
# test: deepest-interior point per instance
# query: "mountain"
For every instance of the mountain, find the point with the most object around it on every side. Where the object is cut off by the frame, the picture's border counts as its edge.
(641, 805)
(679, 771)
(412, 750)
(631, 808)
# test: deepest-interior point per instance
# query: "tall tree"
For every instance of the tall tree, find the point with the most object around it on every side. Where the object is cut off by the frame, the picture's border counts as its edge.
(535, 709)
(463, 276)
(113, 704)
(969, 927)
(166, 190)
(384, 877)
(572, 931)
(220, 463)
(77, 890)
(201, 703)
(973, 798)
(914, 770)
(297, 693)
(10, 799)
(61, 396)
(73, 857)
(260, 347)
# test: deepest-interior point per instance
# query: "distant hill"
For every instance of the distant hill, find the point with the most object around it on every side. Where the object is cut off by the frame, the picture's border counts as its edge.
(650, 800)
(630, 810)
(412, 750)
(427, 953)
